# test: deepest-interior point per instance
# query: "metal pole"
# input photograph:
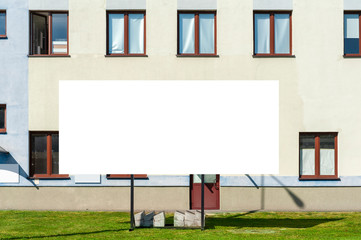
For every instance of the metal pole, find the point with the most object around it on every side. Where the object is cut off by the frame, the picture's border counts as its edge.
(202, 203)
(131, 202)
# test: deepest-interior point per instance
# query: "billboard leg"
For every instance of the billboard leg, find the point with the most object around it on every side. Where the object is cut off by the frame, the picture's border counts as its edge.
(202, 203)
(131, 202)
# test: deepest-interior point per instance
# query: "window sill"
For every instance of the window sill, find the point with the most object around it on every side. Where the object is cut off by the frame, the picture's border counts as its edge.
(50, 177)
(3, 37)
(273, 56)
(197, 56)
(126, 55)
(319, 179)
(48, 56)
(126, 176)
(352, 56)
(2, 131)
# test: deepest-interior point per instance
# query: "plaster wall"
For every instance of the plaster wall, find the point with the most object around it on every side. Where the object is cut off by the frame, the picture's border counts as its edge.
(14, 87)
(319, 89)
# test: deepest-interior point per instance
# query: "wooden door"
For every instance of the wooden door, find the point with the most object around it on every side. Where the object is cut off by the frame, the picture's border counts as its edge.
(211, 191)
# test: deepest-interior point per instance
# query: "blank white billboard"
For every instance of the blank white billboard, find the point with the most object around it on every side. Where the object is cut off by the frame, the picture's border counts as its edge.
(169, 127)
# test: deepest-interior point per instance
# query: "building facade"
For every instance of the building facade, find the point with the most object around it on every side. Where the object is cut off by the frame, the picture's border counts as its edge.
(311, 47)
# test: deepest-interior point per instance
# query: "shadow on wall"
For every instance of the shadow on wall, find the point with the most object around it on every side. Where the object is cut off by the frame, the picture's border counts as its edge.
(293, 196)
(7, 158)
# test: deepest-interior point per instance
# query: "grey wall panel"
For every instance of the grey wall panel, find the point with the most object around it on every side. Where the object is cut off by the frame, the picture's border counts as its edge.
(49, 4)
(272, 4)
(126, 4)
(87, 178)
(197, 4)
(352, 5)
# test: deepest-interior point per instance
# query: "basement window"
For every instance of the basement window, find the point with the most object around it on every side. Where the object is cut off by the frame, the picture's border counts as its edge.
(49, 33)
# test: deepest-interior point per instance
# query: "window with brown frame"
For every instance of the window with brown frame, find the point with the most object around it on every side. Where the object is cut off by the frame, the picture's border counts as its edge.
(2, 118)
(2, 24)
(44, 155)
(318, 155)
(272, 33)
(352, 28)
(49, 33)
(126, 33)
(197, 33)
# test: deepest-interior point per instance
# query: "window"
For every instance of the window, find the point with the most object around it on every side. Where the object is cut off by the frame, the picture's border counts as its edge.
(197, 33)
(318, 155)
(2, 118)
(351, 34)
(44, 155)
(272, 33)
(49, 33)
(126, 33)
(2, 24)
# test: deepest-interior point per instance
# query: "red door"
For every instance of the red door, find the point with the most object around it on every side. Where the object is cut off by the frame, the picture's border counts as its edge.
(211, 191)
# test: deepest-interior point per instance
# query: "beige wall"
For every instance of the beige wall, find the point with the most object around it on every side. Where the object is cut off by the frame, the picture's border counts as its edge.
(319, 89)
(177, 198)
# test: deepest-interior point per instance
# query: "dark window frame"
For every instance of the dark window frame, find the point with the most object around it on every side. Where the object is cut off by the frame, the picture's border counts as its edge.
(49, 30)
(317, 175)
(126, 176)
(49, 174)
(359, 18)
(3, 130)
(4, 36)
(196, 33)
(272, 34)
(126, 33)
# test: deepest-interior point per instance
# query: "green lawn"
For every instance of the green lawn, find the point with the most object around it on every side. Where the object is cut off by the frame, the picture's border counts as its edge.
(115, 225)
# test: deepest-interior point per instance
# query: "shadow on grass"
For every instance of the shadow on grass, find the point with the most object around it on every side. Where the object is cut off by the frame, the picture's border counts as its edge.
(68, 234)
(236, 221)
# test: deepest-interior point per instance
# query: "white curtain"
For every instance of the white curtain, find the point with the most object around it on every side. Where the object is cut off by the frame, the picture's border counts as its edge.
(136, 33)
(351, 27)
(116, 33)
(307, 157)
(186, 33)
(262, 33)
(282, 33)
(206, 33)
(327, 161)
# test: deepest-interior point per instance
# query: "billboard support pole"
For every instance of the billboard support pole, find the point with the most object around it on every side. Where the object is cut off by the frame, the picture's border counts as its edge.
(131, 202)
(202, 203)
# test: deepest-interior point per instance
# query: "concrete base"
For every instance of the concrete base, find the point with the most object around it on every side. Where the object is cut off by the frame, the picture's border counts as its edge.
(177, 198)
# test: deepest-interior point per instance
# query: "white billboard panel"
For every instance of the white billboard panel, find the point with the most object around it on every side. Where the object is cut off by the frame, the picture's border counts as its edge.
(169, 127)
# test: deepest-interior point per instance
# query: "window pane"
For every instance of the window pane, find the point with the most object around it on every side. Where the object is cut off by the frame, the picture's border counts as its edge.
(208, 178)
(39, 34)
(2, 117)
(206, 33)
(116, 33)
(351, 34)
(186, 33)
(55, 153)
(282, 33)
(327, 155)
(38, 153)
(60, 33)
(262, 33)
(2, 23)
(136, 33)
(307, 155)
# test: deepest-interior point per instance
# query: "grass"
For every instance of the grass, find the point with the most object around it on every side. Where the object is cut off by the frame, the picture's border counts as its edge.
(115, 225)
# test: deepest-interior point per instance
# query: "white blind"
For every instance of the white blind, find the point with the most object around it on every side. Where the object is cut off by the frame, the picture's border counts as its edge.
(136, 33)
(262, 33)
(206, 33)
(282, 33)
(351, 26)
(307, 157)
(327, 161)
(186, 33)
(116, 33)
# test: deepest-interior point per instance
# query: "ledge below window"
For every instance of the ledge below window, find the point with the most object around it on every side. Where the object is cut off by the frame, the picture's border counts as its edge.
(50, 177)
(49, 56)
(352, 56)
(126, 176)
(273, 56)
(319, 179)
(129, 55)
(197, 56)
(3, 37)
